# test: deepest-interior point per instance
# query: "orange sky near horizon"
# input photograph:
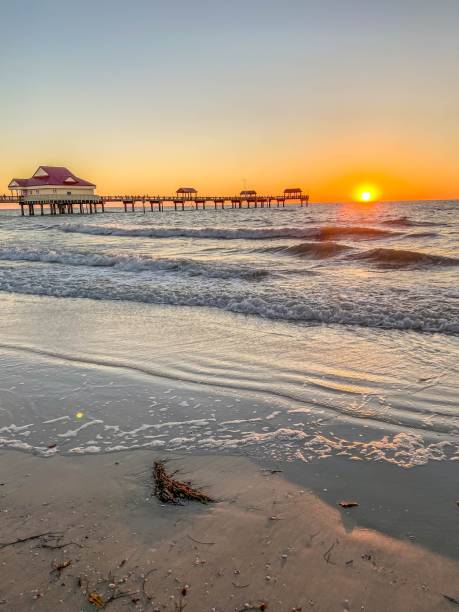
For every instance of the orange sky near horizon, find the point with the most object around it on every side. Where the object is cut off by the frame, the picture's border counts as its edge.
(390, 173)
(333, 99)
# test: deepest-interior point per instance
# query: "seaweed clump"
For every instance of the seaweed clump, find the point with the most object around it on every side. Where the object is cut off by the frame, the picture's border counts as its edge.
(171, 491)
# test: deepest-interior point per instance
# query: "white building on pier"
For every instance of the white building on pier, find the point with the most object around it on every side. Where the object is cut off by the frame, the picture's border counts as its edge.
(53, 184)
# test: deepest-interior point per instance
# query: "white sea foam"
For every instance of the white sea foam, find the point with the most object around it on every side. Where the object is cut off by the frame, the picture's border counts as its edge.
(85, 450)
(404, 449)
(72, 433)
(62, 418)
(229, 233)
(131, 263)
(417, 309)
(14, 428)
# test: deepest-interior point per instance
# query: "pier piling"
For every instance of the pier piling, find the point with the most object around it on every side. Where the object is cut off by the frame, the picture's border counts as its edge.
(97, 204)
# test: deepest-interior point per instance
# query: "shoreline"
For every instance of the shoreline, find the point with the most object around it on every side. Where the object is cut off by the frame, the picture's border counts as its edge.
(266, 540)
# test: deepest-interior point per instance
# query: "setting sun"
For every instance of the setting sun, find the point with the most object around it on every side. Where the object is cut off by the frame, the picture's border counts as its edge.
(366, 192)
(366, 196)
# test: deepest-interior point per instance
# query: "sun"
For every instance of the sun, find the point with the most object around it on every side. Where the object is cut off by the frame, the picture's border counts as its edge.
(366, 196)
(366, 192)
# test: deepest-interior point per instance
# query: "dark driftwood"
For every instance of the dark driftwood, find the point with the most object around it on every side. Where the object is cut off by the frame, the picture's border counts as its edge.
(171, 491)
(49, 534)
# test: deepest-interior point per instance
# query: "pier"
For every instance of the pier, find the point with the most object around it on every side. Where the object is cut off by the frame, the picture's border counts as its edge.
(54, 204)
(60, 192)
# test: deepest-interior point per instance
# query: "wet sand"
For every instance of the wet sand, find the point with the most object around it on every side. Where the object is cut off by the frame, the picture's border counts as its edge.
(266, 540)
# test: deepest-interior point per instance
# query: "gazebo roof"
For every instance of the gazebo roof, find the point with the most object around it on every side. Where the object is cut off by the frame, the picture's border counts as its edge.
(186, 190)
(293, 190)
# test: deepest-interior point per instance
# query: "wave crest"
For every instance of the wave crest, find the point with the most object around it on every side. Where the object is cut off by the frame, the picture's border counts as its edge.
(399, 258)
(407, 222)
(314, 250)
(332, 232)
(132, 263)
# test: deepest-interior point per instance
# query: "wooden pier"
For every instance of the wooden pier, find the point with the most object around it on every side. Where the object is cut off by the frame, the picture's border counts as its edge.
(31, 205)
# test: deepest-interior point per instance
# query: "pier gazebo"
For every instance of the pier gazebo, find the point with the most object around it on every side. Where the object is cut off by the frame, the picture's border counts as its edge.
(293, 193)
(188, 193)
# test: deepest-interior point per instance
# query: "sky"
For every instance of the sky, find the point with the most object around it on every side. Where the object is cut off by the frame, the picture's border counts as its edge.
(334, 96)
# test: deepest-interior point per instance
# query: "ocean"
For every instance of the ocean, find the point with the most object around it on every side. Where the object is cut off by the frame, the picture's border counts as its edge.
(294, 334)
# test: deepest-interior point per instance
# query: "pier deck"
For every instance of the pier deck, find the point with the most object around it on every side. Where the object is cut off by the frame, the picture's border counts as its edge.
(58, 205)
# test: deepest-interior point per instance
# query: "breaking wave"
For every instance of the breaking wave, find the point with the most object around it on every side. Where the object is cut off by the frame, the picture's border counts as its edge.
(318, 233)
(407, 222)
(314, 250)
(336, 232)
(422, 235)
(399, 258)
(315, 304)
(132, 263)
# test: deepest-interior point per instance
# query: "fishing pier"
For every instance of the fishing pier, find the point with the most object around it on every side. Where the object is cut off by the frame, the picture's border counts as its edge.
(53, 205)
(54, 190)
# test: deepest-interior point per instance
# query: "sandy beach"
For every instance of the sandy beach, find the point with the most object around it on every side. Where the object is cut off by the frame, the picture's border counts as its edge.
(265, 542)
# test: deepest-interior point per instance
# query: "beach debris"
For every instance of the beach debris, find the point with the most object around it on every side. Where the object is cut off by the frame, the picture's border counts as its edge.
(180, 605)
(260, 606)
(200, 541)
(327, 553)
(144, 583)
(52, 445)
(199, 561)
(452, 600)
(457, 503)
(171, 491)
(59, 566)
(38, 536)
(348, 504)
(36, 595)
(96, 600)
(54, 543)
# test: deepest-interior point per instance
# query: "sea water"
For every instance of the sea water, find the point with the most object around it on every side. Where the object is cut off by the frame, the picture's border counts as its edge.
(293, 333)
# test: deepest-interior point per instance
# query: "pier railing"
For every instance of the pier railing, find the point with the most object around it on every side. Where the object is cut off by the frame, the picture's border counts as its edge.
(89, 204)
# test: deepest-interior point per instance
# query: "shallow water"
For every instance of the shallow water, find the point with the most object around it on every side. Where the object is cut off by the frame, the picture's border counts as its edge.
(311, 332)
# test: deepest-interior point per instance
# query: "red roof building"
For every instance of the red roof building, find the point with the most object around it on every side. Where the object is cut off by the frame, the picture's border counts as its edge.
(54, 181)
